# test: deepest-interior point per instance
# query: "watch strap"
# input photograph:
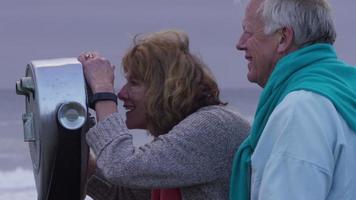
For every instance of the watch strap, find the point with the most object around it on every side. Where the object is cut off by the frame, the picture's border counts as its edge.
(102, 96)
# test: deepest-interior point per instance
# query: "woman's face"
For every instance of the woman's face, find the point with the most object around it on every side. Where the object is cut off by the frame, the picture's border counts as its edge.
(133, 96)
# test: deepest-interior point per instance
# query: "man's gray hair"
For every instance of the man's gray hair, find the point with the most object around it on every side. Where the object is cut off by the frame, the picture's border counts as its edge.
(310, 20)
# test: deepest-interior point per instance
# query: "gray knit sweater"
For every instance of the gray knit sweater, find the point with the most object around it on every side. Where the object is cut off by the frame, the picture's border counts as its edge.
(195, 156)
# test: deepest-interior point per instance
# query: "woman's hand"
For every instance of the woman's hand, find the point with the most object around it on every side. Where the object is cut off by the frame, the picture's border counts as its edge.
(98, 72)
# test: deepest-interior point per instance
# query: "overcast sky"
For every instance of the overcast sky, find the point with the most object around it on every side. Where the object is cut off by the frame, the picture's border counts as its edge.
(41, 29)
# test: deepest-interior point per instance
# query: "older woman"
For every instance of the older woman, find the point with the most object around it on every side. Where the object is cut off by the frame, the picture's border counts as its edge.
(170, 93)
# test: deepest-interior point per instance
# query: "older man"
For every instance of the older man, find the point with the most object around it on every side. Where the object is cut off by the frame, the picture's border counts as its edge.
(303, 140)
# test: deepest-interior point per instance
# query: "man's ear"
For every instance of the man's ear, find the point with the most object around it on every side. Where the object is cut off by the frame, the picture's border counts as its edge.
(286, 39)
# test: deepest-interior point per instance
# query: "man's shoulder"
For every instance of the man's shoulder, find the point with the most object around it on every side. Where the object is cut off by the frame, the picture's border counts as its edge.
(304, 107)
(305, 99)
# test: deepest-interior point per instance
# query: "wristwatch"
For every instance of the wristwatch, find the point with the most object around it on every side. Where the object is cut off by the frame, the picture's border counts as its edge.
(102, 96)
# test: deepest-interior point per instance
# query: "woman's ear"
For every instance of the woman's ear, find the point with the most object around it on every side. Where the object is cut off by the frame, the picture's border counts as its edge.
(286, 39)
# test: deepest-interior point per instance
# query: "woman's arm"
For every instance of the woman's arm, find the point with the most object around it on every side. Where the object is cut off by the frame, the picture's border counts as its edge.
(99, 189)
(195, 151)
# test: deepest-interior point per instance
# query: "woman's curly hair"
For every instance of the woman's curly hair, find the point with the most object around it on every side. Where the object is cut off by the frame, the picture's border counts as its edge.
(178, 83)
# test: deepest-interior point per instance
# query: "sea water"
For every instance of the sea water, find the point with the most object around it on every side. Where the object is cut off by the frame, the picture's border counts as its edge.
(16, 177)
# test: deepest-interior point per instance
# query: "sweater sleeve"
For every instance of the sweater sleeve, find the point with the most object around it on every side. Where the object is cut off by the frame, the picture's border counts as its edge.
(100, 189)
(193, 152)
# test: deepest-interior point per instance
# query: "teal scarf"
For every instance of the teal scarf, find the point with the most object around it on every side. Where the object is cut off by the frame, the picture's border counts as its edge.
(314, 68)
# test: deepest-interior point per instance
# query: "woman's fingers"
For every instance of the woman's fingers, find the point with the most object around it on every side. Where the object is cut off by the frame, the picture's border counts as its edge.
(98, 71)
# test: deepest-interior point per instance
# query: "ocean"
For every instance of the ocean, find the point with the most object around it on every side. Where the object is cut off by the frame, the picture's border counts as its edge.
(16, 177)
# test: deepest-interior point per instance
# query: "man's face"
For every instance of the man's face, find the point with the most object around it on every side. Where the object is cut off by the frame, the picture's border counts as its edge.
(260, 49)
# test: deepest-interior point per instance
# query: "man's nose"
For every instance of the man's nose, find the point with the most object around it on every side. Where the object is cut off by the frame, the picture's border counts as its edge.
(241, 44)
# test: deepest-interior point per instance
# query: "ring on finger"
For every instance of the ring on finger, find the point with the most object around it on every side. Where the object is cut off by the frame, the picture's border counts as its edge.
(88, 55)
